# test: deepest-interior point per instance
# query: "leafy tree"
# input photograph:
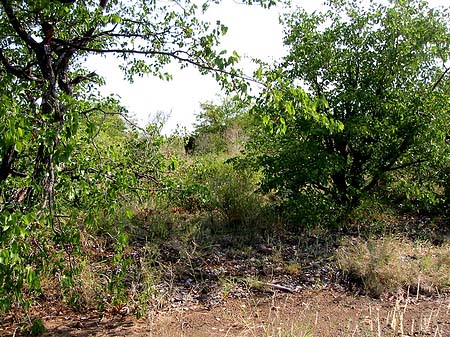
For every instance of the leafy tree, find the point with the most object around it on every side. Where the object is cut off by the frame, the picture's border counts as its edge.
(219, 126)
(362, 94)
(43, 47)
(52, 115)
(217, 117)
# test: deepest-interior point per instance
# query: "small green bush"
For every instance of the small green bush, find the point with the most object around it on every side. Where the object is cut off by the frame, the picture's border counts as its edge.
(226, 194)
(233, 195)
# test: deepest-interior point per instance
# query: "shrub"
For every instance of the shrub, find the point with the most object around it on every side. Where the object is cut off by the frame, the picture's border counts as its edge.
(227, 194)
(359, 97)
(390, 264)
(233, 196)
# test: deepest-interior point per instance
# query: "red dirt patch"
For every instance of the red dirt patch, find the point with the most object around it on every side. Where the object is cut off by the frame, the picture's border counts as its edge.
(325, 313)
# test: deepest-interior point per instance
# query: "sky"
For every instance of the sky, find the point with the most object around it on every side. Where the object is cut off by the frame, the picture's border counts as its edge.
(252, 32)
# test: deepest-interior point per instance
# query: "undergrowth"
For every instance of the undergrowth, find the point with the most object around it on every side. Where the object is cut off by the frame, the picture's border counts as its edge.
(390, 264)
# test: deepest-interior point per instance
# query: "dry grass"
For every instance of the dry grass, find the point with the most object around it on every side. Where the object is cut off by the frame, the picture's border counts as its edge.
(391, 264)
(278, 317)
(257, 317)
(398, 321)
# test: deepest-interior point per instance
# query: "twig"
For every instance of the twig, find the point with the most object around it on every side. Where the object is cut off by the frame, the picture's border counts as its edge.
(440, 79)
(278, 287)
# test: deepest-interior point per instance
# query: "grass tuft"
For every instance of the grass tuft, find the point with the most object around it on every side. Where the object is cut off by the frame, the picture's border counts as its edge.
(388, 265)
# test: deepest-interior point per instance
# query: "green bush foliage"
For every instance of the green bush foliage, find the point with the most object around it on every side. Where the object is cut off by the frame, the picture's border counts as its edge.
(212, 186)
(360, 99)
(221, 128)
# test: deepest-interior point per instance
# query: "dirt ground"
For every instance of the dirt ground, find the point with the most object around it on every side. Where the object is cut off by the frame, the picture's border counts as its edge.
(280, 289)
(325, 313)
(311, 313)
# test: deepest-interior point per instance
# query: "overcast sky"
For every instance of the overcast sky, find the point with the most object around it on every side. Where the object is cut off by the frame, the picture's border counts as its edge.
(253, 32)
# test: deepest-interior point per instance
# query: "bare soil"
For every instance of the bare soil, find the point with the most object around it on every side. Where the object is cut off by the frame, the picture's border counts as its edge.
(325, 313)
(282, 288)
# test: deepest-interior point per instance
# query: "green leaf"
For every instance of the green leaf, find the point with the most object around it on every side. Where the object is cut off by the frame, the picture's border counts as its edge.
(18, 146)
(258, 74)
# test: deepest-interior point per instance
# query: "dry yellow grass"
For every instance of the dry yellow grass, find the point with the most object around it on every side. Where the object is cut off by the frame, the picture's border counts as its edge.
(390, 264)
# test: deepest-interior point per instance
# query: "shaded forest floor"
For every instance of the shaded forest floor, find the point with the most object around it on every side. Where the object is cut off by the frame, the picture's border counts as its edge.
(263, 286)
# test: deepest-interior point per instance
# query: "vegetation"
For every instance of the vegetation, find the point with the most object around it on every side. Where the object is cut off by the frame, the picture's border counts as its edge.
(347, 139)
(68, 160)
(360, 99)
(222, 128)
(388, 265)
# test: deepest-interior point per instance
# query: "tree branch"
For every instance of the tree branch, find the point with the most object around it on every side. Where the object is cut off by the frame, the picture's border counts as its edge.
(278, 287)
(22, 73)
(143, 36)
(79, 79)
(7, 161)
(172, 54)
(399, 167)
(64, 59)
(440, 79)
(18, 26)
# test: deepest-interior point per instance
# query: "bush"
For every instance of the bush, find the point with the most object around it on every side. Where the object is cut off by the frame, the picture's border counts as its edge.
(390, 264)
(234, 197)
(227, 194)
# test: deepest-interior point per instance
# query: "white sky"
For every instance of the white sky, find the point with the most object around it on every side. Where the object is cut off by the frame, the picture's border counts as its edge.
(253, 32)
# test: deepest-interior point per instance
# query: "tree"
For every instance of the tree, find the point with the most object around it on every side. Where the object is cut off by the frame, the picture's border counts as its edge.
(221, 126)
(42, 51)
(362, 94)
(51, 111)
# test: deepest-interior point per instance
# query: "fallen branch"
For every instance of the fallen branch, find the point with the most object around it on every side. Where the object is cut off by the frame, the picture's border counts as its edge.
(279, 287)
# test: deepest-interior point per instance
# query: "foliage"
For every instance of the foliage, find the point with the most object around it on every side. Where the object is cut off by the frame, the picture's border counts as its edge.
(211, 186)
(234, 197)
(221, 127)
(36, 329)
(66, 155)
(361, 97)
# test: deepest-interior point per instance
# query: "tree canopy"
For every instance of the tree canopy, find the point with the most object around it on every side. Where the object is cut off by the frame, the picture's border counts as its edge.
(362, 94)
